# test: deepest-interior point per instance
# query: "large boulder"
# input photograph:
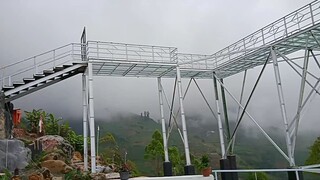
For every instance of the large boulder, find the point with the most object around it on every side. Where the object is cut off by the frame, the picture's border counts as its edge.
(52, 143)
(56, 166)
(13, 154)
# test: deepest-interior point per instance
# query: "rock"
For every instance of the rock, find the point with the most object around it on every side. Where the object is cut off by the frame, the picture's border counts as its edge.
(46, 174)
(99, 176)
(36, 176)
(52, 142)
(17, 155)
(57, 178)
(16, 177)
(56, 166)
(99, 160)
(77, 157)
(112, 175)
(55, 155)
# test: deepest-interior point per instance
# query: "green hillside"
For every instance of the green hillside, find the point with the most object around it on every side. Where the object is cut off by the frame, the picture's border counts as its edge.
(133, 133)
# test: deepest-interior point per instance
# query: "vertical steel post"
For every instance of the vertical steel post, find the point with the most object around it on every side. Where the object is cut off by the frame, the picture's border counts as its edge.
(163, 124)
(225, 112)
(302, 88)
(91, 120)
(98, 137)
(183, 118)
(223, 151)
(282, 106)
(85, 123)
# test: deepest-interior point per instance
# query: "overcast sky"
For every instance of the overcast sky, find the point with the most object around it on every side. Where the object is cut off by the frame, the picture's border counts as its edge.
(31, 27)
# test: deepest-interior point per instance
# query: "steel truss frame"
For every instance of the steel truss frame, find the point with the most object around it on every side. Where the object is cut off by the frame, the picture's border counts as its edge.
(299, 30)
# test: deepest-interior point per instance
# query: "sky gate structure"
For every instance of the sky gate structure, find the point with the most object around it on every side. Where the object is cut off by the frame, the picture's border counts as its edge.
(277, 42)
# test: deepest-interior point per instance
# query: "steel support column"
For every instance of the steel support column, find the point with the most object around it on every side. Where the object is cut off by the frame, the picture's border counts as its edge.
(282, 106)
(222, 145)
(225, 112)
(91, 120)
(163, 124)
(188, 168)
(167, 165)
(85, 123)
(300, 102)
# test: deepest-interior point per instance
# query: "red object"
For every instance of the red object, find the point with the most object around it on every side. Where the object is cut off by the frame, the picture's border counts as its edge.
(16, 117)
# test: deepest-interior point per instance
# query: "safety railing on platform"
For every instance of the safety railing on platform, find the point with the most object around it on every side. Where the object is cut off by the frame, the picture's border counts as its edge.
(97, 50)
(292, 23)
(36, 64)
(192, 61)
(255, 172)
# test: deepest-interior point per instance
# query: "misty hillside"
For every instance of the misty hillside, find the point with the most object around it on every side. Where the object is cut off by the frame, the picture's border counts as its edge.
(133, 132)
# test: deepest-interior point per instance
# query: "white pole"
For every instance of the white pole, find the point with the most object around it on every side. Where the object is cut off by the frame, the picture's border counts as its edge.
(183, 119)
(221, 135)
(282, 105)
(163, 124)
(91, 115)
(85, 123)
(98, 136)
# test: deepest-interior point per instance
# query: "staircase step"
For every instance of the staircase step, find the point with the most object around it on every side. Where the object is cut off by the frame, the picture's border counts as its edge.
(5, 88)
(27, 80)
(48, 72)
(56, 69)
(66, 66)
(16, 84)
(38, 76)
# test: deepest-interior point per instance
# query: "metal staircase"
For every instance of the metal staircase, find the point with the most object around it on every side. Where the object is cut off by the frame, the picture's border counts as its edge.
(40, 81)
(41, 71)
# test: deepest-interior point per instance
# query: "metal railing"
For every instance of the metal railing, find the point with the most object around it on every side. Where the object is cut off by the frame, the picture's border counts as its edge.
(192, 61)
(297, 170)
(36, 64)
(301, 19)
(130, 52)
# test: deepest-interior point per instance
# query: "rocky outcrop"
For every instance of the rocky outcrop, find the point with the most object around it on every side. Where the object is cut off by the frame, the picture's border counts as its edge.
(51, 143)
(13, 154)
(56, 166)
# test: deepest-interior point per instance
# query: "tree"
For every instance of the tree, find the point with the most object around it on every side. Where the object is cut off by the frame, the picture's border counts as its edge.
(314, 155)
(52, 126)
(176, 160)
(154, 152)
(33, 118)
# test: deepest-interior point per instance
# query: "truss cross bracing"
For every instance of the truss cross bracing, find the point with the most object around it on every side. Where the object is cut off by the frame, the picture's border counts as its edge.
(299, 30)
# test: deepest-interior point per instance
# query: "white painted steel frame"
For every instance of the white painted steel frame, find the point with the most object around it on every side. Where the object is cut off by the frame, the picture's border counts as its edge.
(85, 120)
(163, 123)
(183, 118)
(282, 106)
(91, 119)
(254, 121)
(221, 134)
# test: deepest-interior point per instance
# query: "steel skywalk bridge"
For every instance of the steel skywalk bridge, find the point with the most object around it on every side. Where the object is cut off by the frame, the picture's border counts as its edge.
(298, 31)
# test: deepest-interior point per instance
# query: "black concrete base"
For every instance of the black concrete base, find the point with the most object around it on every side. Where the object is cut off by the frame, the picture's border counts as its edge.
(167, 168)
(292, 175)
(233, 166)
(225, 164)
(189, 170)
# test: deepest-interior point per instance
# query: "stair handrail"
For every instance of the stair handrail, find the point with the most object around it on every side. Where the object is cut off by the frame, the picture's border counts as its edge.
(24, 65)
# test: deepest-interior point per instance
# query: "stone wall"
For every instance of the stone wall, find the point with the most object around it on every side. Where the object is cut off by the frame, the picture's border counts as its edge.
(13, 154)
